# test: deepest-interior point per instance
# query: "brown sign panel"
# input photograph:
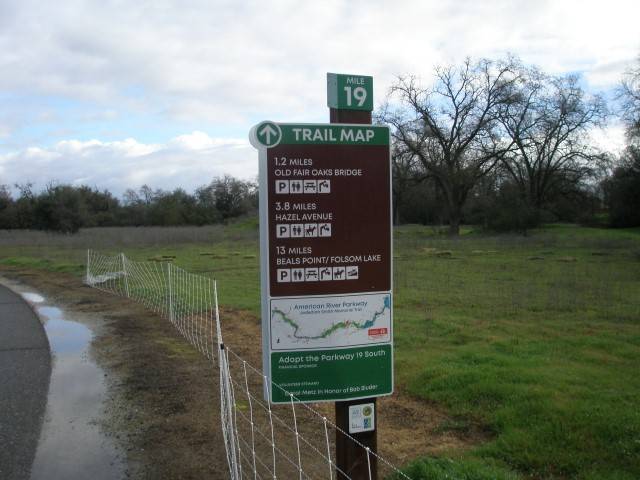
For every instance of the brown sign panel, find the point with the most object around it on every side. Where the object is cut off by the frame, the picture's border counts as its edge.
(329, 225)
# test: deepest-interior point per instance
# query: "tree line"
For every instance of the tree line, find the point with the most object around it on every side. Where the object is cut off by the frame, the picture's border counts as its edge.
(489, 142)
(507, 146)
(67, 208)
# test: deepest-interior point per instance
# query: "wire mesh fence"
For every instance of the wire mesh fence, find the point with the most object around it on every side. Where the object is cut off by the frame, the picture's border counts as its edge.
(262, 440)
(182, 297)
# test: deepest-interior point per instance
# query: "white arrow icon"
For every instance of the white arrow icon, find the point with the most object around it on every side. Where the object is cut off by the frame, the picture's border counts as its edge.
(265, 134)
(267, 131)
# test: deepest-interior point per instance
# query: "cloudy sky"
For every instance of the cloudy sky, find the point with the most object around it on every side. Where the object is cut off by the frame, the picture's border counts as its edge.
(117, 94)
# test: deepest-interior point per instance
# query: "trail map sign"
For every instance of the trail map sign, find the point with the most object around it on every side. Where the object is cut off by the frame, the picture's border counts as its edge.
(325, 248)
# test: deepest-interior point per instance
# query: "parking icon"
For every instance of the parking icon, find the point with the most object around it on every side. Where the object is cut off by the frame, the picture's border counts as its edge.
(282, 230)
(282, 186)
(283, 275)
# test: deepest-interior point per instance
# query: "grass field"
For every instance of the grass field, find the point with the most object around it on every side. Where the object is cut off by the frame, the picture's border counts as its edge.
(537, 338)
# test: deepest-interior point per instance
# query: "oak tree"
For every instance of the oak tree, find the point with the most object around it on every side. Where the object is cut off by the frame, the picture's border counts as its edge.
(549, 121)
(451, 126)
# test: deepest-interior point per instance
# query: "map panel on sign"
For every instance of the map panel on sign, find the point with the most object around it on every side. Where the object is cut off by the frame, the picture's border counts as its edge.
(330, 322)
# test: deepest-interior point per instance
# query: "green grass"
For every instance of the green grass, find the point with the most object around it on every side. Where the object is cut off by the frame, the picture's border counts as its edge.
(543, 352)
(536, 339)
(448, 469)
(44, 264)
(233, 263)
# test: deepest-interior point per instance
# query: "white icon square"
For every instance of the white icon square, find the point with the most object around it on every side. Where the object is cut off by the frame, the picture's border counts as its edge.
(324, 229)
(282, 186)
(310, 229)
(339, 273)
(297, 230)
(295, 186)
(282, 230)
(297, 274)
(310, 274)
(324, 186)
(352, 272)
(325, 274)
(283, 275)
(310, 186)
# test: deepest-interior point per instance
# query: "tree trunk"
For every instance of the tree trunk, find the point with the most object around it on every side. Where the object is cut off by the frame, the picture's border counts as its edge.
(454, 226)
(396, 209)
(454, 222)
(454, 207)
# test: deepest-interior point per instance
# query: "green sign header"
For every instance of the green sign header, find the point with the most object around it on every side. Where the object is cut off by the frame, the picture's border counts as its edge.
(351, 92)
(269, 134)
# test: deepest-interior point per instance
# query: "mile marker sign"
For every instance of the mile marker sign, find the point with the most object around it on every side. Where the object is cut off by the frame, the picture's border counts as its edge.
(325, 248)
(349, 92)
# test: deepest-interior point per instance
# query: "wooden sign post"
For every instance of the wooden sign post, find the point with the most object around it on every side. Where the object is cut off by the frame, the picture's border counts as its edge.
(350, 457)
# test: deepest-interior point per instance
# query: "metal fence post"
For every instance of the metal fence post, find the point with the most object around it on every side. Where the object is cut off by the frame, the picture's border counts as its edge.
(86, 280)
(170, 293)
(126, 277)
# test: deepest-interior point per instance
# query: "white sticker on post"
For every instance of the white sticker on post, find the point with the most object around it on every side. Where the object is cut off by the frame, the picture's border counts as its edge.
(362, 418)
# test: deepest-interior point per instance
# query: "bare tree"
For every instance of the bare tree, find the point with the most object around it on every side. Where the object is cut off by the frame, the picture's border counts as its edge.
(629, 95)
(131, 197)
(549, 120)
(147, 195)
(622, 187)
(406, 172)
(450, 127)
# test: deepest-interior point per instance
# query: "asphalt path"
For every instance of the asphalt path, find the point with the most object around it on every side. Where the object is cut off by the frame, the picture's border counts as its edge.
(25, 370)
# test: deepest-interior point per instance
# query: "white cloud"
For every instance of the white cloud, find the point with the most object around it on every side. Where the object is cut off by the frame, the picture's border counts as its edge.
(221, 66)
(219, 60)
(609, 139)
(201, 141)
(38, 154)
(186, 161)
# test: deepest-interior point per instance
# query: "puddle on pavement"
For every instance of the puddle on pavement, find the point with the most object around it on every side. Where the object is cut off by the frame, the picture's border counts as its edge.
(72, 445)
(32, 297)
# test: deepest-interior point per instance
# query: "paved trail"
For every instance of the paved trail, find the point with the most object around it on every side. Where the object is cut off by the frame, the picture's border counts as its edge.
(25, 369)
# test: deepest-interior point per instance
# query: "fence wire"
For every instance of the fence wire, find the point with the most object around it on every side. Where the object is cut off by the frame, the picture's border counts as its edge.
(262, 440)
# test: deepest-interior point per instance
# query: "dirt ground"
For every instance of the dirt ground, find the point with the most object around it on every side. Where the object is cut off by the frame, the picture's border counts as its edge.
(163, 405)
